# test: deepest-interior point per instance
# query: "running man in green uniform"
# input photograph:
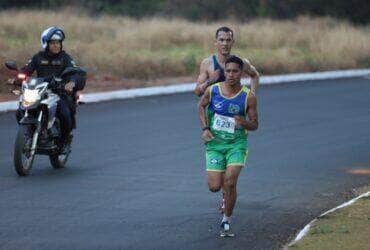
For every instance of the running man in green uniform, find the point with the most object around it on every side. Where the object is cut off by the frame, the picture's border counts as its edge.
(225, 132)
(212, 68)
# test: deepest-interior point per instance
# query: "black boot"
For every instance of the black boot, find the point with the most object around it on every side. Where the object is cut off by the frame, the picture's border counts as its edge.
(66, 144)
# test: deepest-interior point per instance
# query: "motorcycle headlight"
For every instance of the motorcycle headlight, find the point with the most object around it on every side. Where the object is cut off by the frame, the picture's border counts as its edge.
(30, 96)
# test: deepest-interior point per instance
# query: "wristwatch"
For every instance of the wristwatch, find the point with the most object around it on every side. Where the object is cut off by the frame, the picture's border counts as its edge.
(206, 128)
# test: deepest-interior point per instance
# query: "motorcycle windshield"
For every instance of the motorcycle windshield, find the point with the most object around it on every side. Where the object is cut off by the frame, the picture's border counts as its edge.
(33, 82)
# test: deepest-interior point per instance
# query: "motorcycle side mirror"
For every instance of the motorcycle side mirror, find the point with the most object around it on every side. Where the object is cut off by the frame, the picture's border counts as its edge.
(12, 65)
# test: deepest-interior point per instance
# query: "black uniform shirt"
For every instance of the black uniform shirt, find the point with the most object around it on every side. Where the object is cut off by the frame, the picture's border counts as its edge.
(47, 65)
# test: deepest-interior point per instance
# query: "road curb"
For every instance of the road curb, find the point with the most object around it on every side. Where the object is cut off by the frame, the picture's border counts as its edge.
(306, 228)
(188, 87)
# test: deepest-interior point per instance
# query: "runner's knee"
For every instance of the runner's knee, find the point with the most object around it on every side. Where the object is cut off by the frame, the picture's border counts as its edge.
(230, 183)
(214, 188)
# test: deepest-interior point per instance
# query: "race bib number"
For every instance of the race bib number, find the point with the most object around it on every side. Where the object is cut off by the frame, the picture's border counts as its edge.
(224, 123)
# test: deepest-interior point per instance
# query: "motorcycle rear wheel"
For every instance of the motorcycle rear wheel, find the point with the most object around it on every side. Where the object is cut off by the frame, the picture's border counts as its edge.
(59, 160)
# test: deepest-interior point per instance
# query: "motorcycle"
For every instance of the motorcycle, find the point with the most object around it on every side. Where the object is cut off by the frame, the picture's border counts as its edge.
(39, 130)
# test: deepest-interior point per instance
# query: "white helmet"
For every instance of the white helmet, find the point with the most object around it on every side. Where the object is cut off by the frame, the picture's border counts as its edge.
(51, 33)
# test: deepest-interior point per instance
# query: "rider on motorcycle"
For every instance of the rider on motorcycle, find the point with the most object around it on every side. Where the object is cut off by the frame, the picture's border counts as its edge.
(51, 61)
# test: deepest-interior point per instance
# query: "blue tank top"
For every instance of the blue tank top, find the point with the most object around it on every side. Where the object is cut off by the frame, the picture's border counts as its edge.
(228, 106)
(217, 66)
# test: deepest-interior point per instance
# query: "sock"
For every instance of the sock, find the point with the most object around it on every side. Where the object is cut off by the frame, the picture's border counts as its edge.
(226, 218)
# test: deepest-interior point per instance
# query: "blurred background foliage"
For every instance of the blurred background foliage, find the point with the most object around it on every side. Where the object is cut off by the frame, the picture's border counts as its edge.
(357, 11)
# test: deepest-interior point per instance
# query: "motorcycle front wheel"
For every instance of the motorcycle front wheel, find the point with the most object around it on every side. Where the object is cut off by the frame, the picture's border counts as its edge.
(23, 158)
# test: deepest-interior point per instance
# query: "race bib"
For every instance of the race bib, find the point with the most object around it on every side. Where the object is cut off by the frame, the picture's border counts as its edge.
(224, 123)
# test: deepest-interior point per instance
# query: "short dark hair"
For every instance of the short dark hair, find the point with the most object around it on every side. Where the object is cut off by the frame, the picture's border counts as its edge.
(225, 29)
(235, 59)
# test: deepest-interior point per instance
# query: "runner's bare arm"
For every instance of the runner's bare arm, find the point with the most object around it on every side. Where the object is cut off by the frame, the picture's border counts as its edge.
(250, 70)
(203, 103)
(202, 82)
(252, 123)
(207, 136)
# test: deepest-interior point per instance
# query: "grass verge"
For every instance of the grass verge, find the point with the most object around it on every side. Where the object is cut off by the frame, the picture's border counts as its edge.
(346, 228)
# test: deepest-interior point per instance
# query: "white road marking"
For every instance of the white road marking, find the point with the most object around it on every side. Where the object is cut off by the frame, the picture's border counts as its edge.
(188, 87)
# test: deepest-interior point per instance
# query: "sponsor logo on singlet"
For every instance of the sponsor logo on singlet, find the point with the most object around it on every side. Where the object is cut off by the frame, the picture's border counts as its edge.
(213, 161)
(234, 109)
(218, 105)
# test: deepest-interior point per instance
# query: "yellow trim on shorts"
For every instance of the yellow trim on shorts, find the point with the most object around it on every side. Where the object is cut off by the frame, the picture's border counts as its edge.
(214, 170)
(235, 165)
(238, 163)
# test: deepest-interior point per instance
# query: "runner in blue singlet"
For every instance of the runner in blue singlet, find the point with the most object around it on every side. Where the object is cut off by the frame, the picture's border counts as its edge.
(212, 69)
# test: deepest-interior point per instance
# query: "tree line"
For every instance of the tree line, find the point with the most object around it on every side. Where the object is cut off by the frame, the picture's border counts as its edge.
(357, 11)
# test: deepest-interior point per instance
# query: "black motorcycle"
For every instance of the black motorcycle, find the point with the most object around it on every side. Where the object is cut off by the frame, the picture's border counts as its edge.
(39, 129)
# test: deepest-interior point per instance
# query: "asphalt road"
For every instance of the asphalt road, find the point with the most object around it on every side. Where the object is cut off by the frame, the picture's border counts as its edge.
(136, 177)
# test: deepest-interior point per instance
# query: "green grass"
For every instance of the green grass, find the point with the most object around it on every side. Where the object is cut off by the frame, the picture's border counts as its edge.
(347, 228)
